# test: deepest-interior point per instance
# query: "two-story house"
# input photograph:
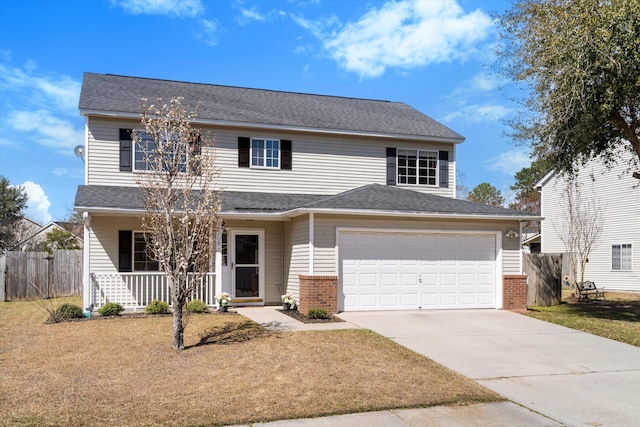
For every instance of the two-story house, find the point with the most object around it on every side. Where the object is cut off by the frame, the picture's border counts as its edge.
(611, 196)
(342, 202)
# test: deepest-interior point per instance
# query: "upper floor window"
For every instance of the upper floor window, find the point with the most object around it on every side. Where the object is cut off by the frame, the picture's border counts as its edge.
(265, 153)
(417, 167)
(621, 257)
(146, 154)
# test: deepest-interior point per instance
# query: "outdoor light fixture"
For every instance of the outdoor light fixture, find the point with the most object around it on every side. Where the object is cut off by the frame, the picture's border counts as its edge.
(512, 234)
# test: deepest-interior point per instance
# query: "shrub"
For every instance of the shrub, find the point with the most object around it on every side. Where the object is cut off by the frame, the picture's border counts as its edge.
(196, 306)
(157, 307)
(110, 309)
(68, 311)
(318, 313)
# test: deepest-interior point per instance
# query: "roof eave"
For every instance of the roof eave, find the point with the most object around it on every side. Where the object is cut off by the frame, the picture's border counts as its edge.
(431, 215)
(247, 125)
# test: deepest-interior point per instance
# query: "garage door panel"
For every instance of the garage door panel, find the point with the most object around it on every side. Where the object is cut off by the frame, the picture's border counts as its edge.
(409, 279)
(389, 279)
(400, 270)
(409, 300)
(448, 299)
(429, 299)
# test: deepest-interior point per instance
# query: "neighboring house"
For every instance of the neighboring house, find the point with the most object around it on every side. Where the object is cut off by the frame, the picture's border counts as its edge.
(614, 262)
(24, 228)
(38, 235)
(356, 209)
(531, 243)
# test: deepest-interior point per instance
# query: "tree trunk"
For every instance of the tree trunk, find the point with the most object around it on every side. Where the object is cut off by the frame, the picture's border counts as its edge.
(178, 326)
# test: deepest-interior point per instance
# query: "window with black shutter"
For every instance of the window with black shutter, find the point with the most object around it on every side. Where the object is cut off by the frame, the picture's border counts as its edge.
(125, 248)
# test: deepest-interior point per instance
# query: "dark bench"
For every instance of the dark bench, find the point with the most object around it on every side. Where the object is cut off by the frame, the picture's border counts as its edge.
(588, 290)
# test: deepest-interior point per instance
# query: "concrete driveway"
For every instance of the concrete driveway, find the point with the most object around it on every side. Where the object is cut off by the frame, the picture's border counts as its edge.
(571, 377)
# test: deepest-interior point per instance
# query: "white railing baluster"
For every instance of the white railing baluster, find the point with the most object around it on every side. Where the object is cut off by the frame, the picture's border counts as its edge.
(135, 290)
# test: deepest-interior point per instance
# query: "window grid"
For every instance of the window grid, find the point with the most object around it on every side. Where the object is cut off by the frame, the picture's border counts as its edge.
(141, 259)
(265, 153)
(417, 167)
(621, 257)
(145, 153)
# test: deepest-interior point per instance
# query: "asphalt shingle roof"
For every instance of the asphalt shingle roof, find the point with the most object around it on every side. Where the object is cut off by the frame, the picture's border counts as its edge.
(366, 199)
(121, 94)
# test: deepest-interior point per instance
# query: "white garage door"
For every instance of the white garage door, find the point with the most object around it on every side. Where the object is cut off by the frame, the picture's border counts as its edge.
(394, 271)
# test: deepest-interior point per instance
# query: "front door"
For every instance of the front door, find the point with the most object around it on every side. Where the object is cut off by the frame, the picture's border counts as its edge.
(246, 265)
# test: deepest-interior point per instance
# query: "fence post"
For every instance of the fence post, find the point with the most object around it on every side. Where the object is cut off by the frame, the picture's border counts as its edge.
(49, 259)
(3, 276)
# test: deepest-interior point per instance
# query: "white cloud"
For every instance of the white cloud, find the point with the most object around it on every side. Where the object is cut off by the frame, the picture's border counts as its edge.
(478, 113)
(38, 203)
(181, 8)
(404, 34)
(61, 92)
(45, 129)
(209, 30)
(249, 15)
(509, 162)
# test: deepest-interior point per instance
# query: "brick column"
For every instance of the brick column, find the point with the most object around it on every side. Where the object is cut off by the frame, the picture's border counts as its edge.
(318, 292)
(514, 292)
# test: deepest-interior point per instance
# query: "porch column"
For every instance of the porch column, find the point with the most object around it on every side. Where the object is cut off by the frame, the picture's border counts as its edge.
(86, 272)
(218, 259)
(311, 243)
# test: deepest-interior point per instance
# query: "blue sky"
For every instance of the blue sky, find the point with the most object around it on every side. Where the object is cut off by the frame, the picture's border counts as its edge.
(434, 55)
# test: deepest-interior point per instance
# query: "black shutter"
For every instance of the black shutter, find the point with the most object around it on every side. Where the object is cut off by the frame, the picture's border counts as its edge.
(285, 154)
(125, 248)
(243, 151)
(443, 157)
(196, 151)
(126, 146)
(391, 166)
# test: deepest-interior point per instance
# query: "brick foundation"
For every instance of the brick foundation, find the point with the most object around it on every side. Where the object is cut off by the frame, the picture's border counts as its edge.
(514, 292)
(318, 292)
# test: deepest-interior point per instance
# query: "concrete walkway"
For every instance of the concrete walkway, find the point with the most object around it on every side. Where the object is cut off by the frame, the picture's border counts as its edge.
(571, 378)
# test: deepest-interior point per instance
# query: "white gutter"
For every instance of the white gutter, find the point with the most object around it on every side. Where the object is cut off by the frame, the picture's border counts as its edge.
(287, 215)
(248, 125)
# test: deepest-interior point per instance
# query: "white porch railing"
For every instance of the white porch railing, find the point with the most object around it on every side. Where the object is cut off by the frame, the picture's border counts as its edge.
(135, 290)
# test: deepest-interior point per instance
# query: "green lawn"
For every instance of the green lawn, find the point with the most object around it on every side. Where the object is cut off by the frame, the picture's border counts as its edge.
(617, 318)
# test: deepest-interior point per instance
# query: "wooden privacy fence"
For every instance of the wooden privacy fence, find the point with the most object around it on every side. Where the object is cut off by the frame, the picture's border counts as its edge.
(544, 278)
(34, 275)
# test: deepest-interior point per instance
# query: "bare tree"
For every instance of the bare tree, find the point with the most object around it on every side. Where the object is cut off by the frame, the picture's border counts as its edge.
(581, 227)
(177, 176)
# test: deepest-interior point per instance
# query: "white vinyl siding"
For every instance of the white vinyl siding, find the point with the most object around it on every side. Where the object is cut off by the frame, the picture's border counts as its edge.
(103, 241)
(340, 163)
(296, 243)
(325, 247)
(617, 193)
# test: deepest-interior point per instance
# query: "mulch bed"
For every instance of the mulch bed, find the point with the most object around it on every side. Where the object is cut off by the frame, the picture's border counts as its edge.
(304, 319)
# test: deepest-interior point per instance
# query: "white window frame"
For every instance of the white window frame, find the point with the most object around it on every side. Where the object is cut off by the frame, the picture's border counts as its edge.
(625, 263)
(433, 155)
(263, 153)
